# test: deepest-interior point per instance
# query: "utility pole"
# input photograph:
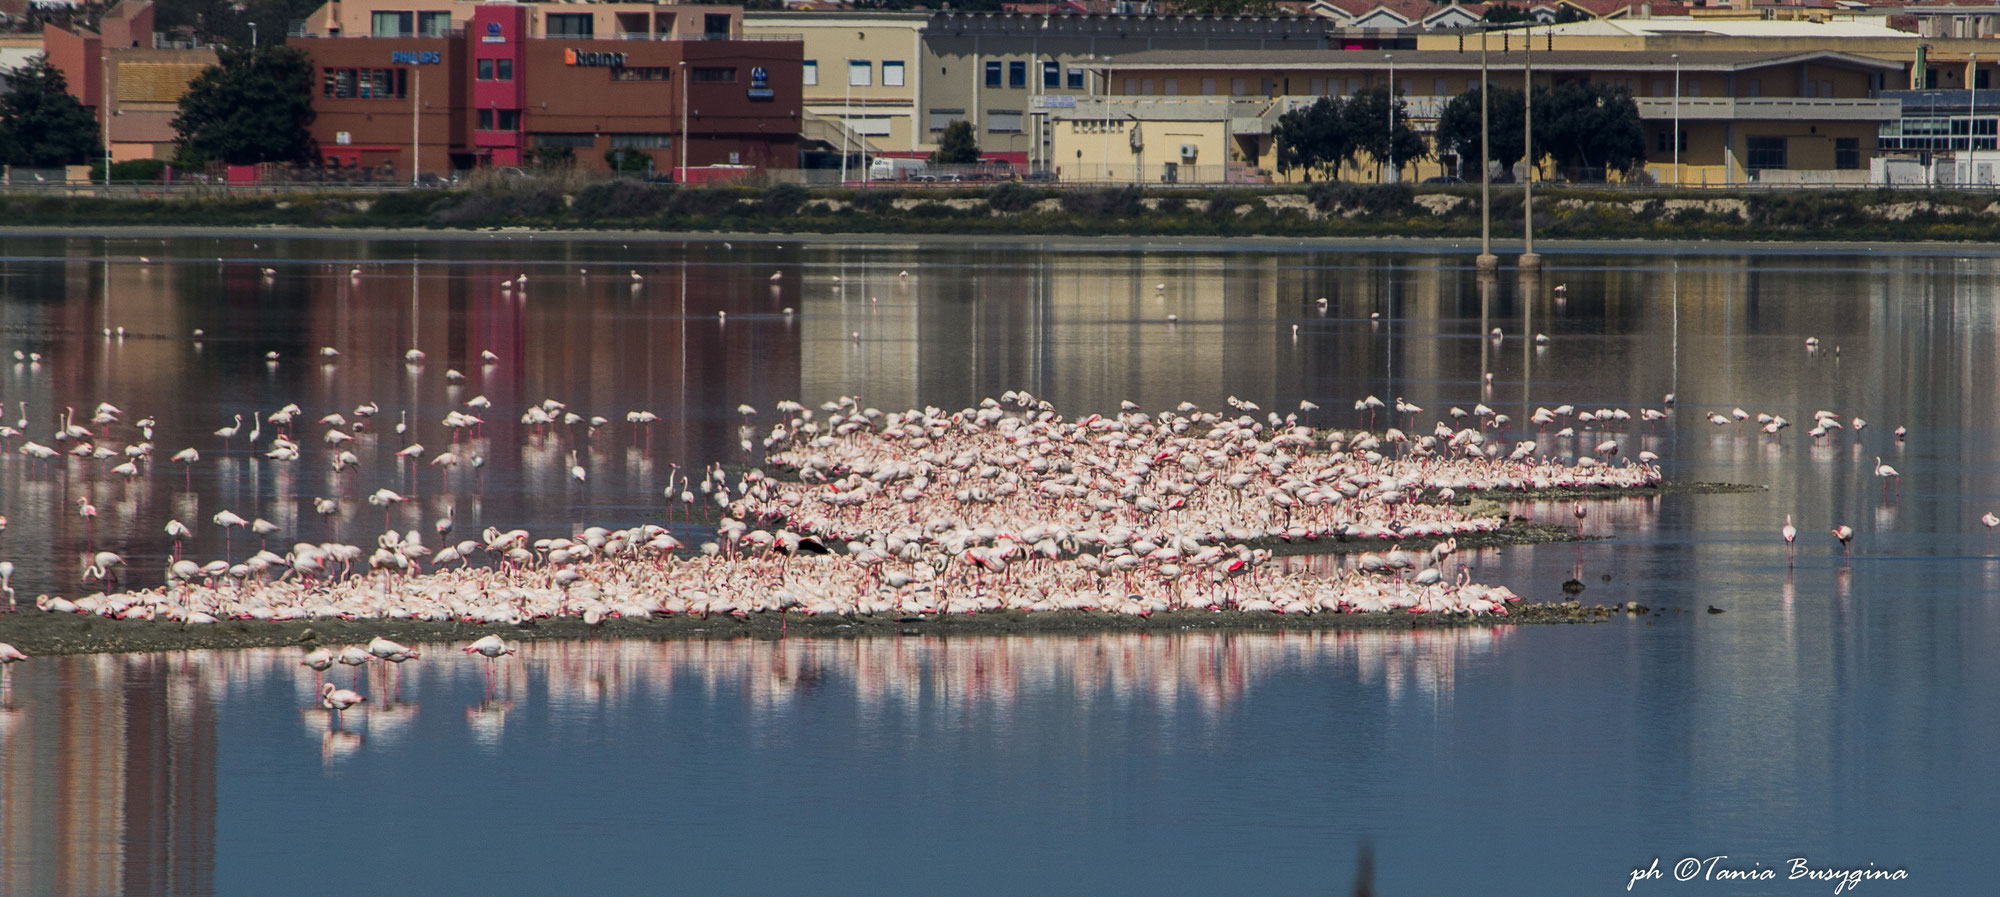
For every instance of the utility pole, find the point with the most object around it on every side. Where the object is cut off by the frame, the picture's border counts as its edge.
(1529, 260)
(1487, 261)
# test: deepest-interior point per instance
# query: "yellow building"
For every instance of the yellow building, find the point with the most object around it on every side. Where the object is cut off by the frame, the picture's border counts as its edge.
(1744, 116)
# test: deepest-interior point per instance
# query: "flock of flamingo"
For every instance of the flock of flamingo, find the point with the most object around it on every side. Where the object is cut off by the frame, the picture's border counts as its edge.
(1007, 506)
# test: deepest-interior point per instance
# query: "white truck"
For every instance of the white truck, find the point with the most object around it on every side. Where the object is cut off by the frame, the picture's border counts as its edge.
(888, 169)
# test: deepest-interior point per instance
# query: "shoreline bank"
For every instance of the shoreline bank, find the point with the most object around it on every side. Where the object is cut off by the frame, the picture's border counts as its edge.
(1580, 214)
(50, 634)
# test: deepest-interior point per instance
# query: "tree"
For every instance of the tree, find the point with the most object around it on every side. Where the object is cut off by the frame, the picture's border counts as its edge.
(958, 145)
(1367, 121)
(1314, 139)
(41, 125)
(252, 107)
(1587, 128)
(1458, 129)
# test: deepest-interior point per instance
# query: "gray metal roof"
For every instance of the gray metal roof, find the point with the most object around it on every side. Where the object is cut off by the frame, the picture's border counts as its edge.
(1548, 60)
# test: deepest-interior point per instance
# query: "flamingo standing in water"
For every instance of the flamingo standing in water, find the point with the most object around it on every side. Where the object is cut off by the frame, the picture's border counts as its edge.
(186, 458)
(491, 647)
(229, 432)
(1845, 534)
(227, 519)
(337, 700)
(1791, 534)
(1886, 473)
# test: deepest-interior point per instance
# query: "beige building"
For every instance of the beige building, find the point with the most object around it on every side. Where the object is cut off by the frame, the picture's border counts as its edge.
(1745, 116)
(596, 21)
(862, 77)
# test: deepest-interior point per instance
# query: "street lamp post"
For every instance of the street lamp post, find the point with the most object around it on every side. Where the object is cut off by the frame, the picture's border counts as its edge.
(1487, 261)
(1529, 260)
(104, 103)
(1106, 100)
(681, 175)
(1676, 138)
(1394, 175)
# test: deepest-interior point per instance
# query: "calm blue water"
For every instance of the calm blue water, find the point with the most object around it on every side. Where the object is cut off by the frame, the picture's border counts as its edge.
(1839, 710)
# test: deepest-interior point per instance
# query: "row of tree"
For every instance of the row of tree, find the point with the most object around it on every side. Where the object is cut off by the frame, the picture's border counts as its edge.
(1584, 129)
(254, 106)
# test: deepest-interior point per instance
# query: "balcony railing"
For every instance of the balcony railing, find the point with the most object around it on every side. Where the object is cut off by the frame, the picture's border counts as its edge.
(1770, 108)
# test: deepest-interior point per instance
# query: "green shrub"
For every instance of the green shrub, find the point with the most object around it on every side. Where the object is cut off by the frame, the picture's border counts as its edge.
(702, 201)
(406, 206)
(1012, 197)
(783, 199)
(874, 200)
(1372, 199)
(623, 199)
(1103, 202)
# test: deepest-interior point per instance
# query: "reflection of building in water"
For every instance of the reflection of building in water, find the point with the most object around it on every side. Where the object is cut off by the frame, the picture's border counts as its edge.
(107, 780)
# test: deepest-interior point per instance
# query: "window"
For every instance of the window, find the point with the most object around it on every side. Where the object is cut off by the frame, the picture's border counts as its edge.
(1052, 74)
(485, 70)
(642, 73)
(1766, 152)
(860, 73)
(1437, 88)
(1846, 153)
(573, 141)
(641, 141)
(1665, 137)
(1982, 79)
(810, 72)
(1173, 87)
(715, 25)
(1826, 89)
(1146, 87)
(1208, 87)
(993, 74)
(1017, 74)
(365, 84)
(713, 75)
(1076, 76)
(942, 118)
(391, 24)
(1131, 87)
(1812, 88)
(892, 73)
(1239, 87)
(1004, 121)
(434, 24)
(1694, 88)
(570, 24)
(499, 119)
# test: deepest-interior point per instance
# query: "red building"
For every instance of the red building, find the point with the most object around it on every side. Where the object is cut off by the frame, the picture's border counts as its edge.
(491, 90)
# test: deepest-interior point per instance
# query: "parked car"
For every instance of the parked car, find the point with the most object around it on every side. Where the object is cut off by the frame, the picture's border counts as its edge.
(1445, 179)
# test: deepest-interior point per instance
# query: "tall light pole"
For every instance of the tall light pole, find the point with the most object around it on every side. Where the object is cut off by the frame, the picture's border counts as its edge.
(1394, 175)
(104, 104)
(1972, 109)
(846, 119)
(1529, 260)
(1106, 99)
(1677, 120)
(681, 175)
(1487, 261)
(416, 122)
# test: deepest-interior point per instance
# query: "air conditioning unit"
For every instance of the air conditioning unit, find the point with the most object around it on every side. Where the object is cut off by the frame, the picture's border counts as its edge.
(1187, 151)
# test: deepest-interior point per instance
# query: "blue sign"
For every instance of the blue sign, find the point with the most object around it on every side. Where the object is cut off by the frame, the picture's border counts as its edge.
(760, 84)
(492, 27)
(416, 57)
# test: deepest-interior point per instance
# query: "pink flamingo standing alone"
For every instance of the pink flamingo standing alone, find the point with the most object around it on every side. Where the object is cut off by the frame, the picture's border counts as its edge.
(1887, 473)
(337, 700)
(1845, 534)
(1791, 534)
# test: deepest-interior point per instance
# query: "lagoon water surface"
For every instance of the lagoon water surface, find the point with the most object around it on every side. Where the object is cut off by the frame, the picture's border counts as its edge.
(1839, 709)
